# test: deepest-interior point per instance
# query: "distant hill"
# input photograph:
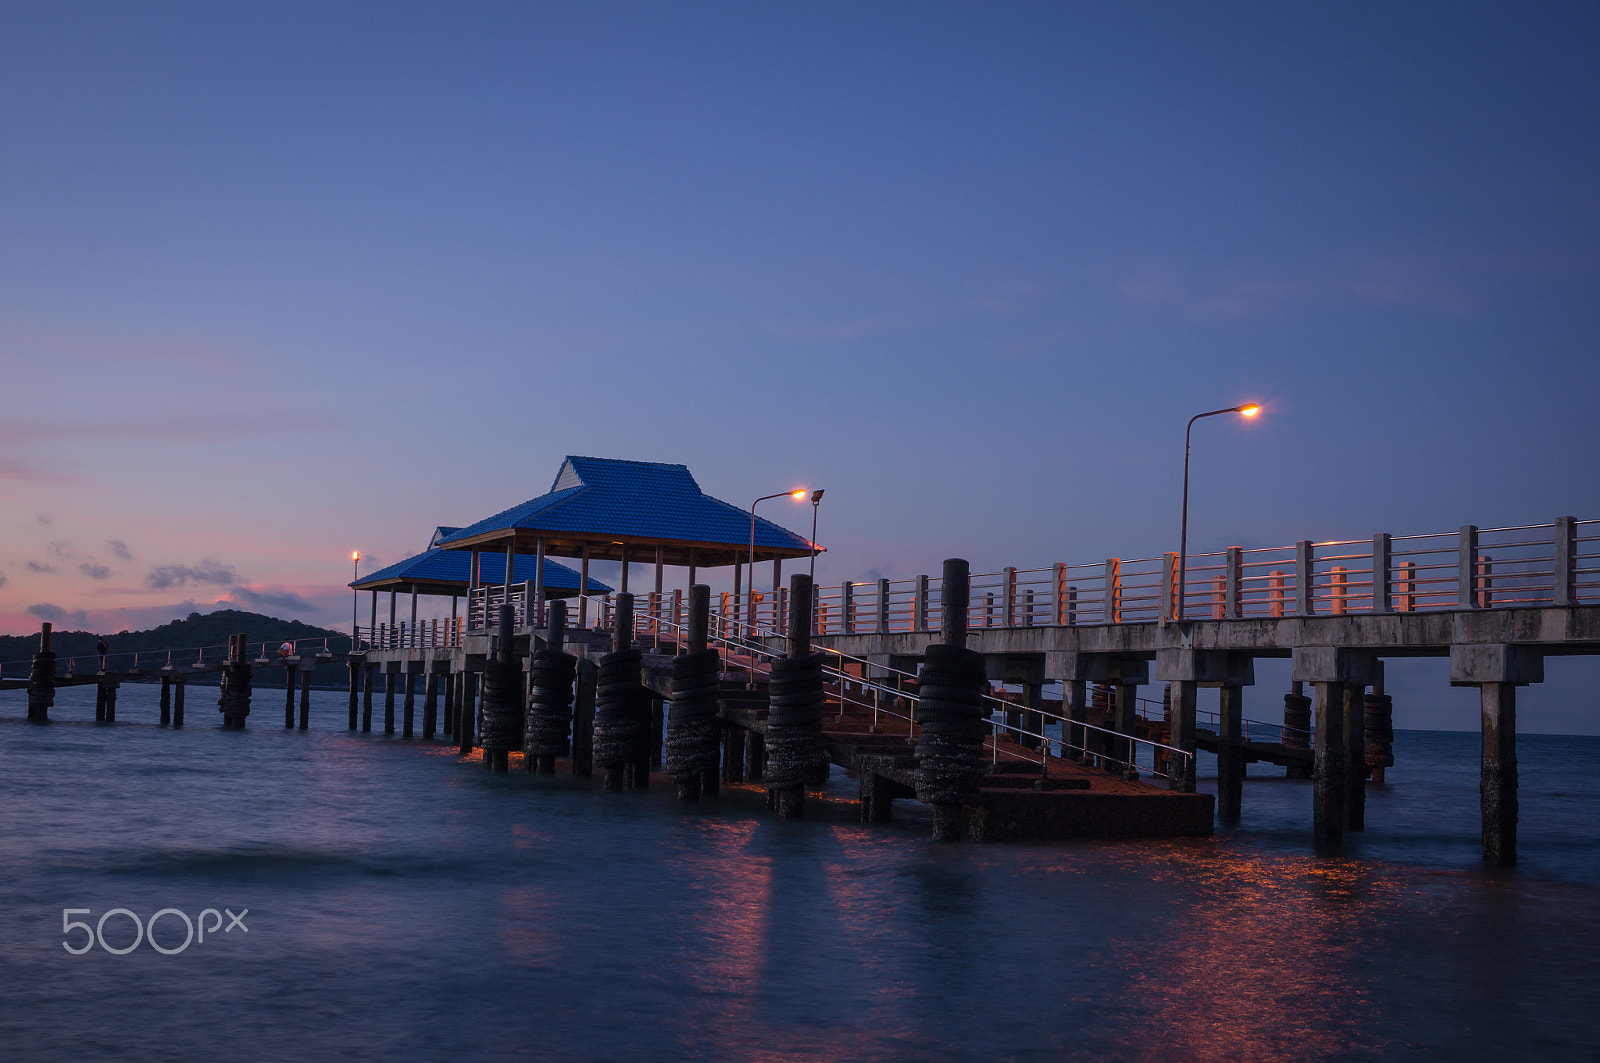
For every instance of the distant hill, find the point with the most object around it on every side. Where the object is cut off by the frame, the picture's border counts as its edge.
(209, 629)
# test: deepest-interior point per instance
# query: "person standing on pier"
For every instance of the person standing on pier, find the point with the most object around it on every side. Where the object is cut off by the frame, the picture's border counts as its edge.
(103, 650)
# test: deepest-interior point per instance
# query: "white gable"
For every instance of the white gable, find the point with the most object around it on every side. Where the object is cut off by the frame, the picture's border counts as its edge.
(567, 478)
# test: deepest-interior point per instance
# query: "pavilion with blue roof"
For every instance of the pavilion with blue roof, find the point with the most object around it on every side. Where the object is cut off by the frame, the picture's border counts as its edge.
(607, 509)
(448, 572)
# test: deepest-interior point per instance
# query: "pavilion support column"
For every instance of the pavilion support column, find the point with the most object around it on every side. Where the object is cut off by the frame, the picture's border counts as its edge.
(623, 589)
(583, 597)
(393, 598)
(372, 623)
(449, 727)
(466, 713)
(413, 607)
(538, 584)
(692, 560)
(388, 701)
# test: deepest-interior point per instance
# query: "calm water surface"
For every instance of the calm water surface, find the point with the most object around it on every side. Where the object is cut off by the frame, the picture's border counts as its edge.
(403, 905)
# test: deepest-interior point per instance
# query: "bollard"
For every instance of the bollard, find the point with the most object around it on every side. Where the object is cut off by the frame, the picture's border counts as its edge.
(692, 739)
(950, 712)
(551, 672)
(792, 746)
(622, 710)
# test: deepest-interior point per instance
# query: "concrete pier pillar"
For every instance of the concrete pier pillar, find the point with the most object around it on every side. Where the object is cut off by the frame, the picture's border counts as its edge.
(1328, 765)
(1075, 707)
(430, 704)
(1184, 692)
(1230, 752)
(1296, 732)
(388, 701)
(451, 681)
(42, 679)
(1497, 782)
(585, 688)
(410, 707)
(166, 700)
(291, 677)
(99, 703)
(111, 702)
(366, 699)
(1355, 757)
(1125, 713)
(305, 699)
(466, 713)
(355, 690)
(177, 703)
(733, 754)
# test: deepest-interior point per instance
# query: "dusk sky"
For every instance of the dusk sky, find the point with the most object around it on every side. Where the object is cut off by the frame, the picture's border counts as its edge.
(281, 281)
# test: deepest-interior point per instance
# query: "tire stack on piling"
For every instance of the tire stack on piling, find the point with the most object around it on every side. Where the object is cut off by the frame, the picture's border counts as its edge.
(693, 738)
(42, 680)
(1379, 711)
(549, 732)
(953, 723)
(501, 700)
(233, 699)
(502, 715)
(794, 732)
(1296, 731)
(622, 710)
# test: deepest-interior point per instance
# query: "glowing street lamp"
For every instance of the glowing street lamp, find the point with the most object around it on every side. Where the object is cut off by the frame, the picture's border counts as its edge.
(816, 500)
(1249, 409)
(797, 494)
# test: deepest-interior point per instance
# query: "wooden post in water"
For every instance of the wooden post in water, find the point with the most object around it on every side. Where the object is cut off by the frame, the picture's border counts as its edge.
(1327, 779)
(1355, 757)
(466, 713)
(1230, 753)
(42, 679)
(289, 677)
(588, 679)
(166, 700)
(366, 698)
(305, 698)
(177, 702)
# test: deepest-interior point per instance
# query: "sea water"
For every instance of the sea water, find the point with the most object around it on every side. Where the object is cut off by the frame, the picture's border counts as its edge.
(396, 903)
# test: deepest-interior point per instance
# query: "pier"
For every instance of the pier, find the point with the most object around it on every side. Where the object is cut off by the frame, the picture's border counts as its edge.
(931, 689)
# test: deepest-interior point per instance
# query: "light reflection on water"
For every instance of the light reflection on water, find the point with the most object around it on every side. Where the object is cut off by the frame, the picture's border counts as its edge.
(406, 906)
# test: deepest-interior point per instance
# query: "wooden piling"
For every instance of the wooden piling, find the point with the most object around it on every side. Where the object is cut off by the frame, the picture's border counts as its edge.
(466, 715)
(366, 697)
(1182, 712)
(692, 726)
(952, 716)
(42, 679)
(177, 703)
(1296, 733)
(166, 701)
(290, 675)
(792, 744)
(586, 685)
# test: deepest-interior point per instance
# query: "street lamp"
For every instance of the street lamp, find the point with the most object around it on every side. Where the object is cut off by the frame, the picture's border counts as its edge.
(1249, 409)
(797, 494)
(816, 500)
(355, 599)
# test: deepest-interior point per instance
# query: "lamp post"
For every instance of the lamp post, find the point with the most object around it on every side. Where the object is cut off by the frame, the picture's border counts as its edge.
(816, 500)
(1248, 409)
(797, 494)
(355, 596)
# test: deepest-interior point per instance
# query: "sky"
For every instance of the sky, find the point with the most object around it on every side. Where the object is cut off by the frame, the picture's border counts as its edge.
(282, 281)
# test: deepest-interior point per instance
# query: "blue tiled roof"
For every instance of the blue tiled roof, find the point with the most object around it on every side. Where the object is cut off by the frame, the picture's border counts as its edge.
(639, 499)
(455, 566)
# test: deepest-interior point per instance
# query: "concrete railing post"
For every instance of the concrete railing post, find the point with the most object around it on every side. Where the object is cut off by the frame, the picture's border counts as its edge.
(847, 611)
(1233, 592)
(1466, 568)
(1009, 591)
(1565, 589)
(883, 607)
(1169, 573)
(1382, 588)
(1113, 591)
(919, 619)
(1304, 592)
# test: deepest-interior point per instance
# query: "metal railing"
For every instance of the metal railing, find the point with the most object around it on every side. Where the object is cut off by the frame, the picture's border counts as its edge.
(126, 662)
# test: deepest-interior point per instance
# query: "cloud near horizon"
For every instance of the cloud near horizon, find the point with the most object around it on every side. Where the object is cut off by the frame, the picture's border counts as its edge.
(273, 599)
(210, 570)
(55, 614)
